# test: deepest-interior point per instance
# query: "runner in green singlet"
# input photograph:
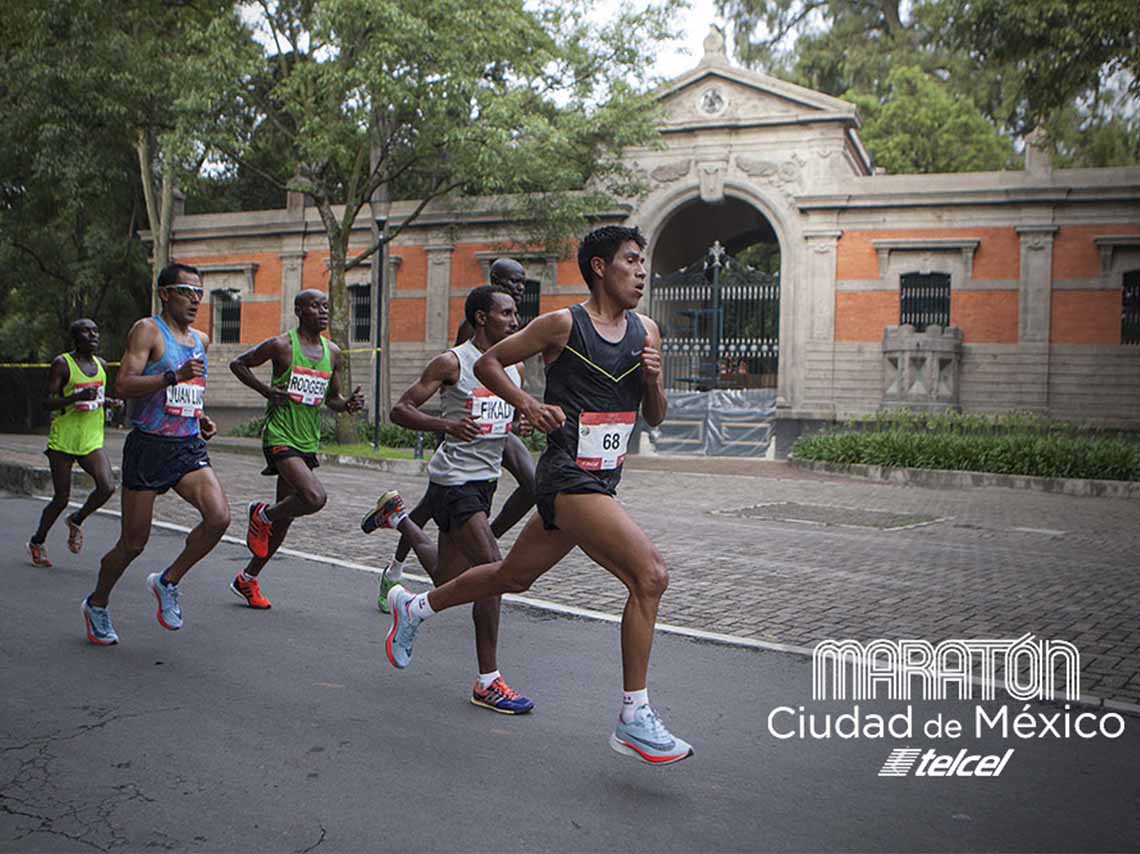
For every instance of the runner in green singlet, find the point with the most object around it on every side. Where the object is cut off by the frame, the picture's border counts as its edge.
(77, 385)
(306, 375)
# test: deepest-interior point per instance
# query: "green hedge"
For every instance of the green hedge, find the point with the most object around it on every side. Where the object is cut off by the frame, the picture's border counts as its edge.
(1027, 445)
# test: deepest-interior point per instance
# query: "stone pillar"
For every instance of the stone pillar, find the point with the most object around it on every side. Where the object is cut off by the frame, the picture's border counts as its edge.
(438, 295)
(1034, 311)
(292, 265)
(820, 277)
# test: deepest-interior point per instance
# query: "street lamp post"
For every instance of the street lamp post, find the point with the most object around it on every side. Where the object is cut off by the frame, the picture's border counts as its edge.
(379, 225)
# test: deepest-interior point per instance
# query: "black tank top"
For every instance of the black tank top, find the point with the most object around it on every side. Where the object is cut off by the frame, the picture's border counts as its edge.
(598, 384)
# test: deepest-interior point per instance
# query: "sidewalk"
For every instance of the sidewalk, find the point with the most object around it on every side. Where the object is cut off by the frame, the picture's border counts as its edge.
(764, 551)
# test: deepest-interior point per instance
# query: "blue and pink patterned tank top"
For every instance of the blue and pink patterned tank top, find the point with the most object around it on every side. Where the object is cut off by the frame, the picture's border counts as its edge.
(173, 410)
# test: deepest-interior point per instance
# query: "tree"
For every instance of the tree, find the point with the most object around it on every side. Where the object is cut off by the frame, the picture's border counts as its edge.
(70, 201)
(919, 125)
(378, 98)
(1051, 51)
(993, 52)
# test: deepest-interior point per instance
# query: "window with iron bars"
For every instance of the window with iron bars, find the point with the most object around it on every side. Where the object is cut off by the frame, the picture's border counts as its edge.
(227, 315)
(1130, 309)
(924, 300)
(528, 308)
(360, 303)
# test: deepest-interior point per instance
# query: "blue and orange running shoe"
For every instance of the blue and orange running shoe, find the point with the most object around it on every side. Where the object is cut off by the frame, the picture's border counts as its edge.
(99, 628)
(167, 595)
(647, 739)
(402, 634)
(500, 697)
(388, 512)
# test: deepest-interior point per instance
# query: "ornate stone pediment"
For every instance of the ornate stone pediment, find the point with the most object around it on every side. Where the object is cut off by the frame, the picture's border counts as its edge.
(725, 94)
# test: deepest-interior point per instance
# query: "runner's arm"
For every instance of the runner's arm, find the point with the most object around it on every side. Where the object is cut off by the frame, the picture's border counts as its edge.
(275, 349)
(546, 334)
(444, 368)
(140, 342)
(109, 402)
(654, 405)
(334, 400)
(57, 379)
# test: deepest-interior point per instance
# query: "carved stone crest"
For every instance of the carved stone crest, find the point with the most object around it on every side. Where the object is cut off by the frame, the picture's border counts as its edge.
(711, 176)
(669, 172)
(711, 101)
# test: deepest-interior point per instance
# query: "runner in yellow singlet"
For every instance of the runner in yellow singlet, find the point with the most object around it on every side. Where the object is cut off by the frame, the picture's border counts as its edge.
(77, 385)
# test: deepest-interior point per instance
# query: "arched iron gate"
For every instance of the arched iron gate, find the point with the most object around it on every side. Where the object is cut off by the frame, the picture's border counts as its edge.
(720, 350)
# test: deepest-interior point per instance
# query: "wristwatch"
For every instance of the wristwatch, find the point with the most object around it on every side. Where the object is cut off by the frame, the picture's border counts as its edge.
(170, 377)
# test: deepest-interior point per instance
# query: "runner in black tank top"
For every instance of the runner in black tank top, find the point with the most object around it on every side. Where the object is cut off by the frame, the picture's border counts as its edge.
(603, 365)
(598, 384)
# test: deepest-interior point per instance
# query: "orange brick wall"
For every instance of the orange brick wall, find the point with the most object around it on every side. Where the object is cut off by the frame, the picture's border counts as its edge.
(1075, 256)
(315, 271)
(408, 320)
(985, 317)
(997, 257)
(466, 271)
(412, 274)
(568, 272)
(553, 302)
(1085, 317)
(260, 320)
(267, 278)
(861, 315)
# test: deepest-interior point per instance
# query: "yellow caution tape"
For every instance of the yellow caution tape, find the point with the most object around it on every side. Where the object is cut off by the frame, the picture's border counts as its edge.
(41, 364)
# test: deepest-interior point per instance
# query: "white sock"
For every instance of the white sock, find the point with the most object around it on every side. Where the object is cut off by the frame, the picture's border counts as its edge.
(398, 518)
(261, 514)
(485, 679)
(395, 569)
(419, 607)
(245, 576)
(631, 701)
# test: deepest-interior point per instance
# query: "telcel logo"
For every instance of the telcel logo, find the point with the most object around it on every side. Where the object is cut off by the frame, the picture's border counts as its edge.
(931, 764)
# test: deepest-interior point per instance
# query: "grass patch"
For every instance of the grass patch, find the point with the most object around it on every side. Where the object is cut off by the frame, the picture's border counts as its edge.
(364, 449)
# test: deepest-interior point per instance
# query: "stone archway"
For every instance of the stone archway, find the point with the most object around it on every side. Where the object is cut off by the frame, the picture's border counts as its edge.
(715, 294)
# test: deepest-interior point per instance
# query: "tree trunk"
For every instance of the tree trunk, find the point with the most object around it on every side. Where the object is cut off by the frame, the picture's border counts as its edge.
(339, 324)
(159, 211)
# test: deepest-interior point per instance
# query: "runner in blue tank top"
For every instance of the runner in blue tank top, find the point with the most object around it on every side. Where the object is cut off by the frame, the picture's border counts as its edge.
(602, 365)
(164, 369)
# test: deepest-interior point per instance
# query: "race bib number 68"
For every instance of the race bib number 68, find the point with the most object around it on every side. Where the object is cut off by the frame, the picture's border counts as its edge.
(603, 438)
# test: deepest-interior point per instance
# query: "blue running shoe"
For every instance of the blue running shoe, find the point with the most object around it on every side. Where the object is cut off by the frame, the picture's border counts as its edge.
(403, 632)
(500, 697)
(99, 628)
(169, 611)
(388, 513)
(647, 739)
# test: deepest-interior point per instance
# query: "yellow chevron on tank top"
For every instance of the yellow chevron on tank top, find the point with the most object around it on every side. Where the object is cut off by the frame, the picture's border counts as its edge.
(601, 369)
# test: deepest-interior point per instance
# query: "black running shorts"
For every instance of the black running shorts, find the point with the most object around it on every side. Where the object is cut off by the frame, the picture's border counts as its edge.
(156, 463)
(557, 474)
(452, 506)
(280, 452)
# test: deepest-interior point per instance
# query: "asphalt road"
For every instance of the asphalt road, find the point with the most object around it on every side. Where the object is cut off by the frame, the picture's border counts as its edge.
(287, 730)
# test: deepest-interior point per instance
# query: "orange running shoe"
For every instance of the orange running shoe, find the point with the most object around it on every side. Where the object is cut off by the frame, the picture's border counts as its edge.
(257, 534)
(74, 537)
(38, 551)
(250, 591)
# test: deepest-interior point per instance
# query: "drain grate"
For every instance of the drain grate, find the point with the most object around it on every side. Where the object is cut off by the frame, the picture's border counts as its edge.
(828, 514)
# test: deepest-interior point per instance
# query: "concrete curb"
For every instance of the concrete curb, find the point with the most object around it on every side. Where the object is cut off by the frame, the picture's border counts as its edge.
(943, 479)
